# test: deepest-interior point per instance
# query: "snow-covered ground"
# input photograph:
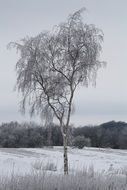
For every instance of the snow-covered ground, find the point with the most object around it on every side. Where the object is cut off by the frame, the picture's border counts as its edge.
(22, 160)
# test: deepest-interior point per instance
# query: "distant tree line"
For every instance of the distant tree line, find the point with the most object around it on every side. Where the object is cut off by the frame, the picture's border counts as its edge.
(108, 135)
(28, 135)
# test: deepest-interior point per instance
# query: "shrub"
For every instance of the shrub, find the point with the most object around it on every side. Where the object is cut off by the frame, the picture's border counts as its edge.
(81, 141)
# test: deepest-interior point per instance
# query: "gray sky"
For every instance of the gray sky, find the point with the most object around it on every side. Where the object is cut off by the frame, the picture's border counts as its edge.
(108, 101)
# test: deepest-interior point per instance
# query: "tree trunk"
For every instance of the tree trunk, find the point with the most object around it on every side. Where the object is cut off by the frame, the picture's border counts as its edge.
(49, 141)
(65, 154)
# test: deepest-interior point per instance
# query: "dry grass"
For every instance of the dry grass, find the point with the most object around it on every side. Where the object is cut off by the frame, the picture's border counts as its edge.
(45, 180)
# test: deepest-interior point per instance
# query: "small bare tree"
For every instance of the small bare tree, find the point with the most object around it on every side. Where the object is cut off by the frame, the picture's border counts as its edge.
(53, 64)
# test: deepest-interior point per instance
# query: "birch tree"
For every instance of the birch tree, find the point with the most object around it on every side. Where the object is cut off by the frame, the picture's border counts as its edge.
(53, 64)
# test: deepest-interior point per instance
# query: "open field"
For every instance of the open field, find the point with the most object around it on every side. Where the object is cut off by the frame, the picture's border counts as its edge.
(23, 160)
(42, 169)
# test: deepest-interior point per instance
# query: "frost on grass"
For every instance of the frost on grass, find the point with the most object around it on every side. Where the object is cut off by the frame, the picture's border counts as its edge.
(24, 159)
(41, 165)
(75, 181)
(44, 162)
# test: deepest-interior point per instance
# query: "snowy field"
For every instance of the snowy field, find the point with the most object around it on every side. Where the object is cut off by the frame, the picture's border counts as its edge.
(23, 160)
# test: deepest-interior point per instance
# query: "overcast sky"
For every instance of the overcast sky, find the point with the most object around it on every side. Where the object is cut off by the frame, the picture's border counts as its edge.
(108, 101)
